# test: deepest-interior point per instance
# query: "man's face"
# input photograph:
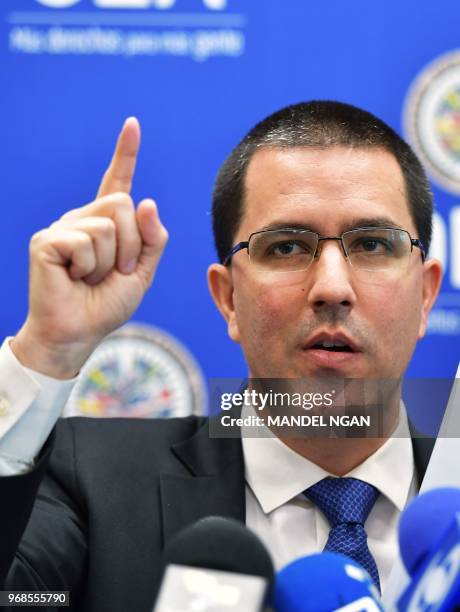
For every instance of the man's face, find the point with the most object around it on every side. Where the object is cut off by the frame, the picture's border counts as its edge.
(276, 317)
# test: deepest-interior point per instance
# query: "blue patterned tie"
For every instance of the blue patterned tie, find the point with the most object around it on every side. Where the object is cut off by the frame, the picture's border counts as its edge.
(346, 503)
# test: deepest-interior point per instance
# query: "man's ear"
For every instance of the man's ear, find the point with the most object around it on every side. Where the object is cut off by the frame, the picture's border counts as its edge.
(220, 283)
(432, 279)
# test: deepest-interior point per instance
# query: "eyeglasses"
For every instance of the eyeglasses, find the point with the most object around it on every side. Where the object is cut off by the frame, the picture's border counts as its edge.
(366, 248)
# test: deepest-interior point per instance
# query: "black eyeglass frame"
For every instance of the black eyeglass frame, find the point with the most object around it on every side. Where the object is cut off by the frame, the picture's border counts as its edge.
(245, 244)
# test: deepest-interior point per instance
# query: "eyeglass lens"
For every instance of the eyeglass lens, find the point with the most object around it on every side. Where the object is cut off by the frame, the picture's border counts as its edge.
(367, 249)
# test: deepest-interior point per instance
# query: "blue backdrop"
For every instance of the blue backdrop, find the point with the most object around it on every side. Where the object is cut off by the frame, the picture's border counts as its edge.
(198, 74)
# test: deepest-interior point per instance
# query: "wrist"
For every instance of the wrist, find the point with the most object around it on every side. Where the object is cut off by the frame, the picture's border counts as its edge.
(62, 362)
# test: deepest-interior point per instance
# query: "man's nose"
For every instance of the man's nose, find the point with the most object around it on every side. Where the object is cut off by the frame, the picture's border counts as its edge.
(331, 278)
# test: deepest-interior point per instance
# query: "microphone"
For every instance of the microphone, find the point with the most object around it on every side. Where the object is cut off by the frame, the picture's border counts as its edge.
(429, 537)
(216, 564)
(324, 582)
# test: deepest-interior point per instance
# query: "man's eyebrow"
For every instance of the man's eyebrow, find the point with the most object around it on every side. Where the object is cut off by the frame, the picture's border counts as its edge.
(371, 222)
(353, 224)
(286, 225)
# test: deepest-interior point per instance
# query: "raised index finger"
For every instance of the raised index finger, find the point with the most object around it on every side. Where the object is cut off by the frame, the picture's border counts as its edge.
(119, 175)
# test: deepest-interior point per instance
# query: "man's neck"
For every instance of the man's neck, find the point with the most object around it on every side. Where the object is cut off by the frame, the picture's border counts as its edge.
(340, 455)
(337, 456)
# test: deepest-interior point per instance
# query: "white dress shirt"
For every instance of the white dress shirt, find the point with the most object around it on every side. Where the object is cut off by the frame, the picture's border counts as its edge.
(286, 521)
(30, 405)
(291, 526)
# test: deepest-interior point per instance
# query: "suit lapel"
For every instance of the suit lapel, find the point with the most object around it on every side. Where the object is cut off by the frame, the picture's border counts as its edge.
(215, 484)
(422, 447)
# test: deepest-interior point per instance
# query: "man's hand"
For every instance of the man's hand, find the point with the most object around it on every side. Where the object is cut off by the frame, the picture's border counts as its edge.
(90, 270)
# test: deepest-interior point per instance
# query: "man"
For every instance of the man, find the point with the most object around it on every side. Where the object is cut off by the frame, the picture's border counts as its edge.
(322, 221)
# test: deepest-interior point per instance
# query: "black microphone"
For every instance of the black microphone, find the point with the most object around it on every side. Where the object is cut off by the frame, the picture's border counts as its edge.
(216, 564)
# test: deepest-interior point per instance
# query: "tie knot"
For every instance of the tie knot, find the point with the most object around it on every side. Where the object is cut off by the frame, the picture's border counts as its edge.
(343, 500)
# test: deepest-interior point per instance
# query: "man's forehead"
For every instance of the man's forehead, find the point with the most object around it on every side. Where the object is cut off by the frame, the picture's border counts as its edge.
(294, 166)
(355, 185)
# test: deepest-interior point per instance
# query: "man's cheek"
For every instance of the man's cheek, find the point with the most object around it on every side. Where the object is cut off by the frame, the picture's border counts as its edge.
(274, 307)
(263, 315)
(398, 321)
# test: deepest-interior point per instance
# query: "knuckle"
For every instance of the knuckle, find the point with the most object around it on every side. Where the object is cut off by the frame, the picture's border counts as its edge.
(164, 236)
(77, 242)
(84, 240)
(68, 216)
(123, 200)
(36, 238)
(105, 228)
(39, 239)
(60, 224)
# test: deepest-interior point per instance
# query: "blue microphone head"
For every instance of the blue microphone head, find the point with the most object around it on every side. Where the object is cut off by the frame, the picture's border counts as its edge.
(323, 582)
(424, 522)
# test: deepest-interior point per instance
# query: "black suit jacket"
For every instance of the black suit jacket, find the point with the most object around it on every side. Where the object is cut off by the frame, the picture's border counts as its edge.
(110, 496)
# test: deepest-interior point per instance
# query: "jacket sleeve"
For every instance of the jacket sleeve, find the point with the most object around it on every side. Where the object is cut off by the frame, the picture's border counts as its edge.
(43, 527)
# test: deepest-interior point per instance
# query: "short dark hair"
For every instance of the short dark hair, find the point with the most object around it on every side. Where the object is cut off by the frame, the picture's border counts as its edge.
(316, 124)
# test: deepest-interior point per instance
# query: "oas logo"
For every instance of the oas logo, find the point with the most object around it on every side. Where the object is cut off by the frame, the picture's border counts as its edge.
(139, 371)
(432, 119)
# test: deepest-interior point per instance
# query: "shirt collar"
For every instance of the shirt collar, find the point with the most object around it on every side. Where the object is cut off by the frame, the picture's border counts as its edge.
(277, 474)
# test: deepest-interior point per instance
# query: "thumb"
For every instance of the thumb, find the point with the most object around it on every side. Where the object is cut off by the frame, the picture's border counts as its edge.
(154, 238)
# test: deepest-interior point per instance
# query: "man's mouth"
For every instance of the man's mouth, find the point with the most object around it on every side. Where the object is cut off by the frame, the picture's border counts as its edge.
(332, 350)
(338, 347)
(337, 342)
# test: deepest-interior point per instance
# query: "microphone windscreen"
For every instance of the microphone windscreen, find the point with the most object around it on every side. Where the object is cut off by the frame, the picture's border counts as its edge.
(222, 544)
(324, 582)
(424, 522)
